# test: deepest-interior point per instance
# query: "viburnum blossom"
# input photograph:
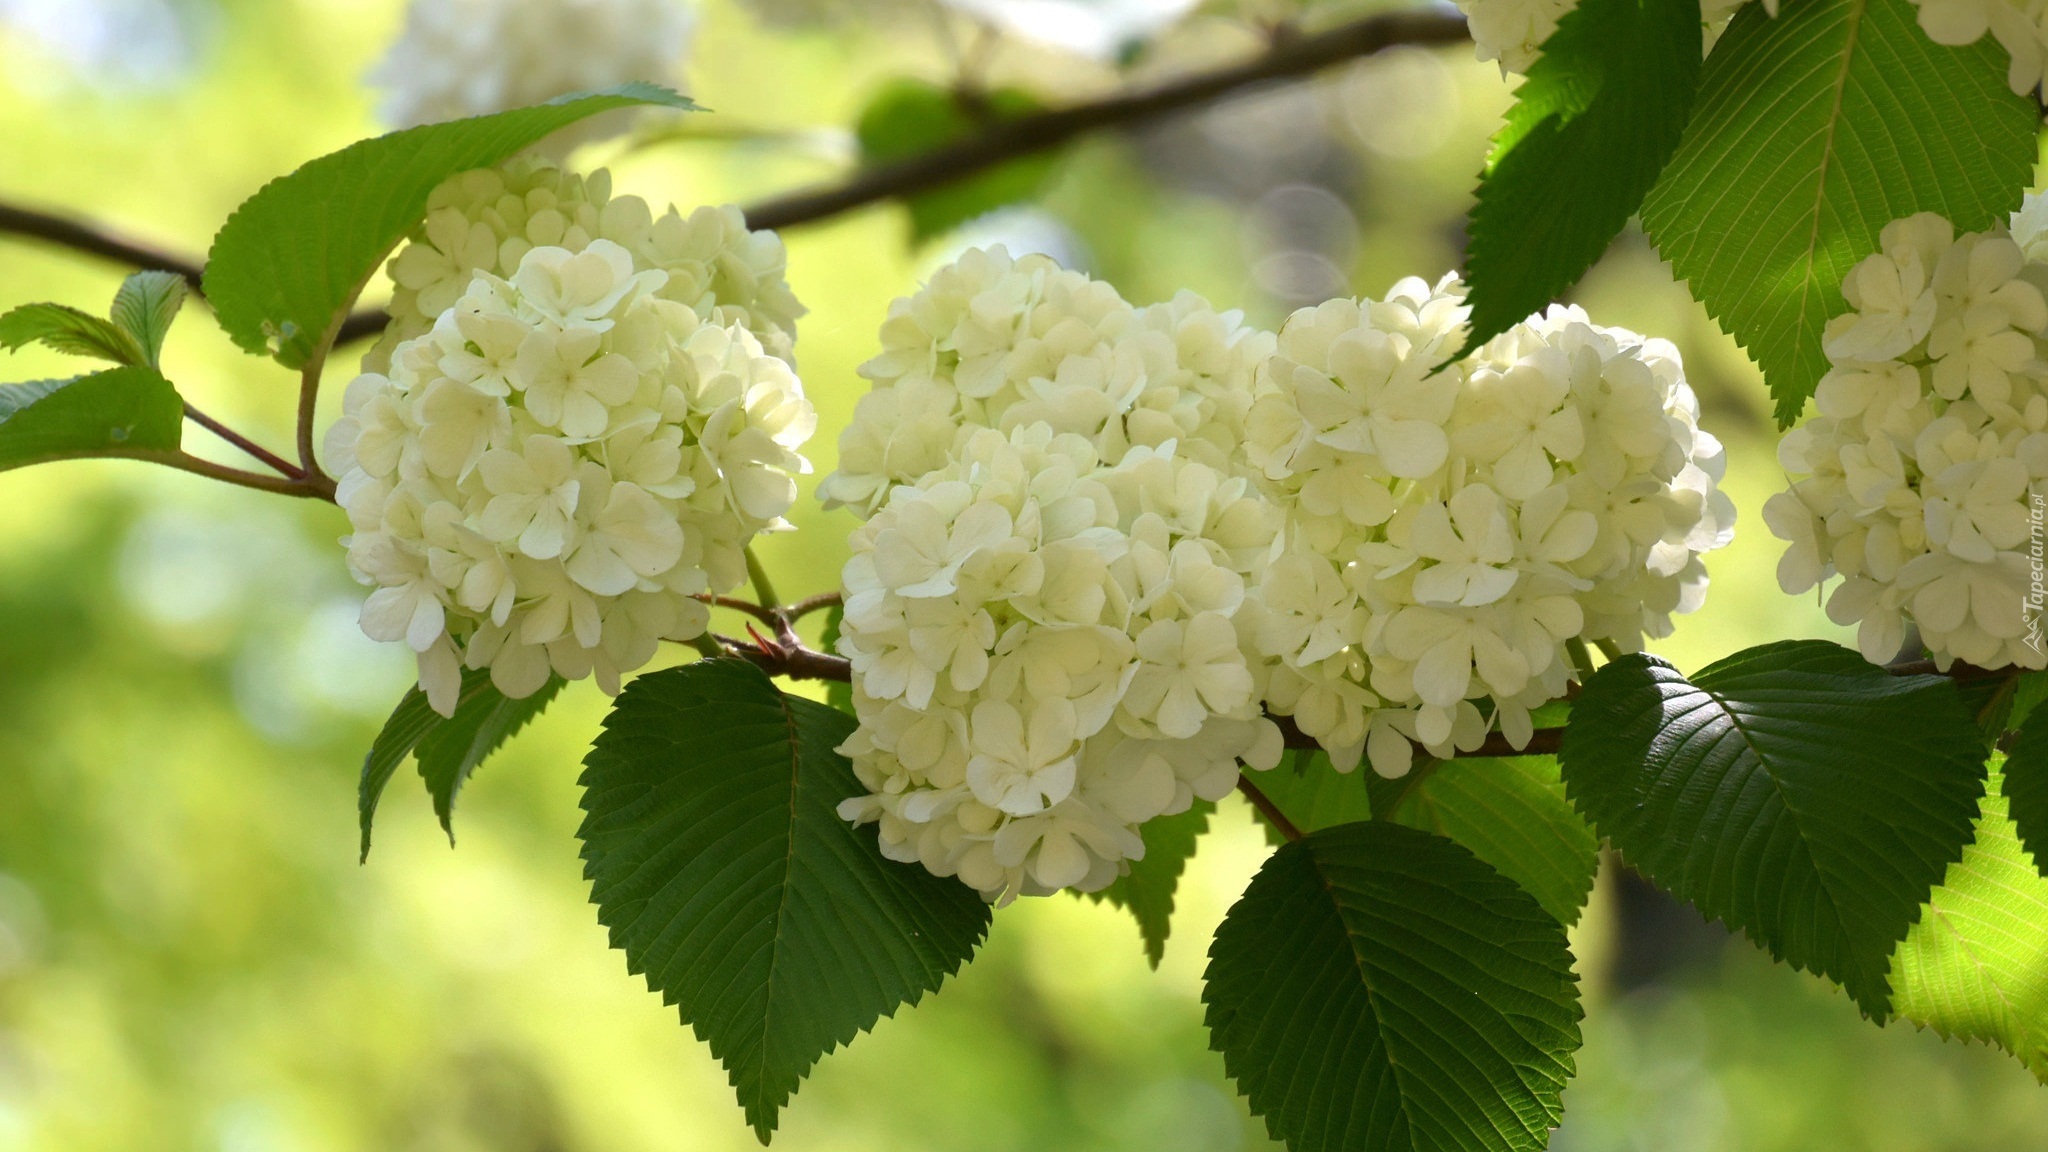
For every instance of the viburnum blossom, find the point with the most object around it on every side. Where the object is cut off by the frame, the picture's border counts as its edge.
(1513, 31)
(545, 479)
(1046, 605)
(1930, 441)
(487, 220)
(1451, 528)
(459, 58)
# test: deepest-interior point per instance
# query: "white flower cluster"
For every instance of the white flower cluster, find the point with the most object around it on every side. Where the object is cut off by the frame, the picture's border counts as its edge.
(1045, 607)
(459, 58)
(548, 476)
(488, 219)
(2019, 26)
(1513, 31)
(1451, 527)
(1930, 441)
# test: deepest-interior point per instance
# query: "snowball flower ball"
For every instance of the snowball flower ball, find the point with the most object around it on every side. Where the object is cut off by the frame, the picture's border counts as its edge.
(488, 219)
(1513, 31)
(1920, 475)
(1452, 528)
(547, 478)
(1046, 608)
(1047, 652)
(458, 58)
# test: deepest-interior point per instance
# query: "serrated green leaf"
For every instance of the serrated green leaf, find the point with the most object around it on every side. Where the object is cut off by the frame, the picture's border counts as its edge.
(1812, 131)
(1148, 888)
(718, 860)
(1512, 813)
(290, 260)
(1792, 790)
(1975, 967)
(66, 329)
(909, 117)
(1602, 110)
(1313, 795)
(144, 307)
(2026, 786)
(448, 749)
(118, 412)
(1380, 989)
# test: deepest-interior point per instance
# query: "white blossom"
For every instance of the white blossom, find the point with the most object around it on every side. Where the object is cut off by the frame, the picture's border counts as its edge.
(1513, 31)
(2019, 26)
(458, 58)
(487, 220)
(1452, 526)
(1917, 476)
(1046, 609)
(559, 510)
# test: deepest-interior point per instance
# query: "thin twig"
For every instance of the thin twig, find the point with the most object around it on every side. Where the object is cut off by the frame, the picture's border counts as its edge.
(810, 604)
(284, 467)
(764, 615)
(1007, 140)
(95, 240)
(1266, 806)
(304, 487)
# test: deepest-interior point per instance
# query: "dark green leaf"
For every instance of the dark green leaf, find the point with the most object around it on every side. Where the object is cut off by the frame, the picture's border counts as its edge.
(1812, 131)
(144, 308)
(118, 412)
(1793, 790)
(290, 260)
(718, 860)
(448, 748)
(1512, 813)
(1379, 989)
(1601, 112)
(1147, 889)
(2026, 786)
(70, 331)
(1975, 967)
(1313, 795)
(909, 117)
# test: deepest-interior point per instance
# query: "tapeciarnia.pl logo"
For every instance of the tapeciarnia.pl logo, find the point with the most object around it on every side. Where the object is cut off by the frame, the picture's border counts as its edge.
(2037, 559)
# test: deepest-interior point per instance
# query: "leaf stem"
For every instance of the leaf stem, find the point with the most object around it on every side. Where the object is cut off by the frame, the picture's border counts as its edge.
(764, 588)
(810, 604)
(1266, 807)
(235, 438)
(1582, 660)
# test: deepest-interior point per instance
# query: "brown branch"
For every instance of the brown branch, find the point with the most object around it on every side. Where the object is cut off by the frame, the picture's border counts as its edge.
(1007, 140)
(810, 604)
(1266, 807)
(94, 240)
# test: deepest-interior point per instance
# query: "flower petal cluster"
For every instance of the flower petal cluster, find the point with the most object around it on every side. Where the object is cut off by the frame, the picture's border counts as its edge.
(546, 478)
(1046, 607)
(459, 58)
(1917, 475)
(1451, 527)
(487, 220)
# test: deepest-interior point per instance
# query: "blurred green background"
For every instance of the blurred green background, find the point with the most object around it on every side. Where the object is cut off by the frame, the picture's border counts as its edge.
(190, 957)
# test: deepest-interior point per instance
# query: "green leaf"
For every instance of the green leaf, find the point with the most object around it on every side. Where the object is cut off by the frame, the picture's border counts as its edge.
(144, 308)
(1975, 967)
(70, 331)
(1147, 889)
(2026, 786)
(1601, 112)
(1512, 813)
(1313, 795)
(1812, 131)
(448, 748)
(1793, 790)
(118, 412)
(1378, 988)
(718, 860)
(286, 266)
(909, 117)
(838, 693)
